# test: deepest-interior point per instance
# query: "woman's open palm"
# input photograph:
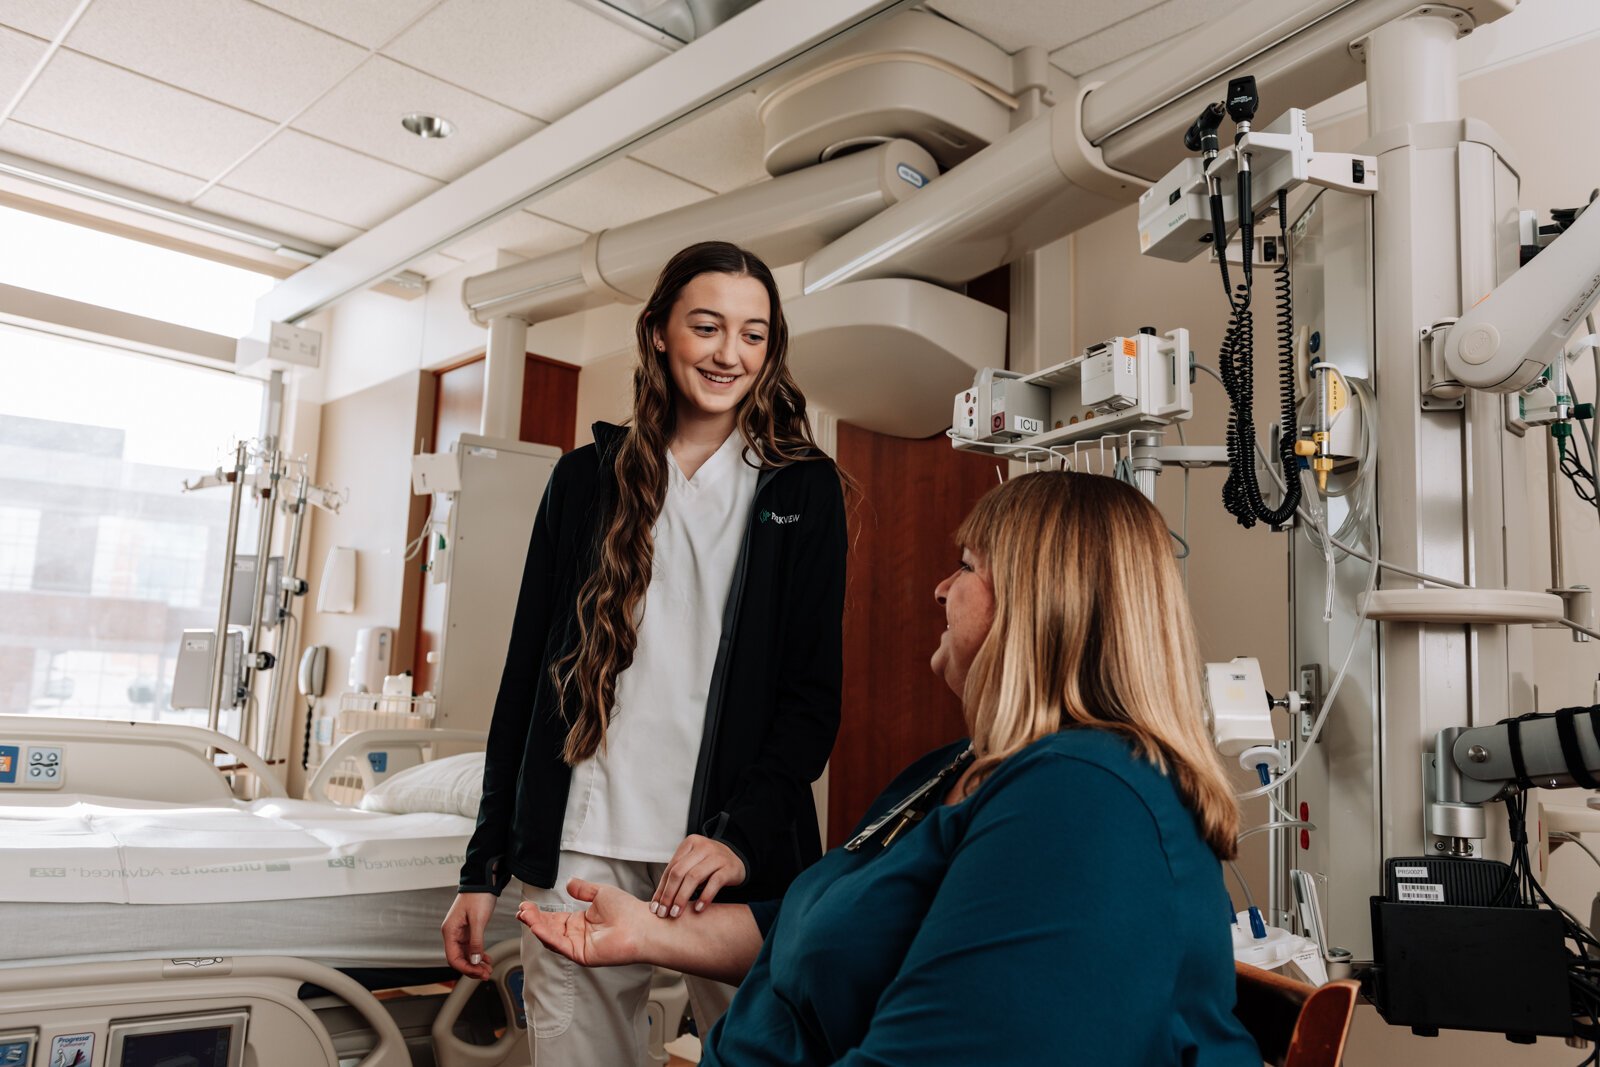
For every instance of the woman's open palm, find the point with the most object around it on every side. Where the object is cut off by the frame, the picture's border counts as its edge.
(604, 934)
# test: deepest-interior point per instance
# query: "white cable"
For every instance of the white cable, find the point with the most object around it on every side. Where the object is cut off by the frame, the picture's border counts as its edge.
(1278, 824)
(1562, 835)
(1249, 898)
(422, 538)
(1333, 691)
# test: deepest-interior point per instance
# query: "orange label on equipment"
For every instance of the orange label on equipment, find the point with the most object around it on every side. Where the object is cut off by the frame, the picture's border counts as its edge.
(1130, 347)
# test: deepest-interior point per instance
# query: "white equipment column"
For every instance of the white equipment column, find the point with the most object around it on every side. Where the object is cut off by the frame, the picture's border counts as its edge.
(1438, 244)
(502, 378)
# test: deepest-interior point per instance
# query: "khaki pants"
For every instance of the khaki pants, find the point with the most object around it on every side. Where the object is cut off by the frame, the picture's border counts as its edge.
(595, 1016)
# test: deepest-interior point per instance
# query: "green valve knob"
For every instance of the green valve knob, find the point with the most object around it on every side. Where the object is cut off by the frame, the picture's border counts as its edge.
(1583, 411)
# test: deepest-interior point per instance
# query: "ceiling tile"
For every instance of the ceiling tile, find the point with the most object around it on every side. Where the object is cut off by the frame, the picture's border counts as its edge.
(364, 112)
(620, 192)
(434, 264)
(18, 54)
(42, 18)
(95, 102)
(721, 149)
(271, 216)
(1137, 32)
(521, 232)
(542, 57)
(1017, 24)
(310, 174)
(231, 51)
(368, 23)
(80, 158)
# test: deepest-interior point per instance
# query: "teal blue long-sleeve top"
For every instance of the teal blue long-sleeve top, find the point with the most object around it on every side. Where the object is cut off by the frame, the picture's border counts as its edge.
(1067, 912)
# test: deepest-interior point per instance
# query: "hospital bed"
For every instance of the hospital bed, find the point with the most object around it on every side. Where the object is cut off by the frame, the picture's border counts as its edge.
(148, 907)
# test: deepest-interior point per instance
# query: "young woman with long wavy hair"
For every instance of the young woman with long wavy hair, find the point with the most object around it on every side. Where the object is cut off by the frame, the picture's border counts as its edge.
(1048, 892)
(672, 685)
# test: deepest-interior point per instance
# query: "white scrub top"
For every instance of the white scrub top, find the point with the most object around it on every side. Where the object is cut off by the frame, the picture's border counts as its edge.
(631, 800)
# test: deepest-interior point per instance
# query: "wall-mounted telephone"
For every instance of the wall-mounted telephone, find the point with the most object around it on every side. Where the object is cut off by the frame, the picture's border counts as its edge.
(314, 671)
(312, 684)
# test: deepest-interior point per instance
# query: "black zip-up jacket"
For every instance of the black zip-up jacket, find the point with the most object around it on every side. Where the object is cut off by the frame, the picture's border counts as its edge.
(773, 709)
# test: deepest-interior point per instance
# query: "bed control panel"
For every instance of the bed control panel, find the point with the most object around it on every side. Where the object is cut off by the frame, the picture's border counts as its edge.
(16, 1048)
(30, 767)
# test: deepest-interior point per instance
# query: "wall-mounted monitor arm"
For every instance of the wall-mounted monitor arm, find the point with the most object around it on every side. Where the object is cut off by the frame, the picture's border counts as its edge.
(1506, 340)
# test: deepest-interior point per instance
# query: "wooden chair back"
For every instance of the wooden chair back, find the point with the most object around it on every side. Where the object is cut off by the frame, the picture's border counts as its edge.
(1295, 1024)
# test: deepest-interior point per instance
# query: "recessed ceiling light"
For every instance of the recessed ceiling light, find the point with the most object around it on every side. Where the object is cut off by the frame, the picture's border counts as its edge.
(428, 126)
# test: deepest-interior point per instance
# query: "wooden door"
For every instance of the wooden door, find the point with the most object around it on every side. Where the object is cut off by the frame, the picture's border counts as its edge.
(913, 495)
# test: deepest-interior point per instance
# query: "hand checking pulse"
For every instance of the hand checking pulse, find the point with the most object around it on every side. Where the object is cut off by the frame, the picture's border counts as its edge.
(701, 866)
(605, 934)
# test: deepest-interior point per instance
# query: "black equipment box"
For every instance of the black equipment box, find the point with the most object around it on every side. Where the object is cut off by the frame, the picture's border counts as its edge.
(1494, 969)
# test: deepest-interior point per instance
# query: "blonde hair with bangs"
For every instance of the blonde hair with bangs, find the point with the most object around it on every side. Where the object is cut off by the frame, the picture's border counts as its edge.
(1091, 630)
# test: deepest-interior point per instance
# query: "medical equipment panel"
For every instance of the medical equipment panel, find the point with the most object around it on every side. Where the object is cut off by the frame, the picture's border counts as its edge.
(191, 678)
(491, 518)
(211, 1040)
(1122, 384)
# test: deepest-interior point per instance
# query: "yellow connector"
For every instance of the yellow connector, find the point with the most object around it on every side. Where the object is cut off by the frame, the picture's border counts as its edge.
(1305, 449)
(1322, 465)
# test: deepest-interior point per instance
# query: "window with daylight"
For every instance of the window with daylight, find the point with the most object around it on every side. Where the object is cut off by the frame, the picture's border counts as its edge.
(104, 559)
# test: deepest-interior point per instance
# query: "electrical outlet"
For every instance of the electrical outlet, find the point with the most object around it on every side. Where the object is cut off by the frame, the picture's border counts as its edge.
(1309, 683)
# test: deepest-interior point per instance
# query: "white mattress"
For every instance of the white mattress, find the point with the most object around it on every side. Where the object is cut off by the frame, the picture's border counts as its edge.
(85, 849)
(86, 878)
(369, 930)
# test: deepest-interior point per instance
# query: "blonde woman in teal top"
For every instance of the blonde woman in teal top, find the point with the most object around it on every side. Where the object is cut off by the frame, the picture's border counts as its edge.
(1049, 893)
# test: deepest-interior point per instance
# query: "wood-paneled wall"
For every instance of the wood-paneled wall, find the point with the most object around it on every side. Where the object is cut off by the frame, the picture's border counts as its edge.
(913, 495)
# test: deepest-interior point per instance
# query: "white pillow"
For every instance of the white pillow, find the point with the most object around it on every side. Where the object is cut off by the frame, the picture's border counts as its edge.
(452, 785)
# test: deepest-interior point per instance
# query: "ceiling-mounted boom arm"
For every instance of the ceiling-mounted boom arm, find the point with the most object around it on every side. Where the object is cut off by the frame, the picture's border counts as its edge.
(1508, 338)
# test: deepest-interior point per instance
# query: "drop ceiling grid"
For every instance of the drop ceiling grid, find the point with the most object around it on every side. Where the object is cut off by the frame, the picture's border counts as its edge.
(541, 57)
(230, 51)
(382, 86)
(623, 191)
(1139, 31)
(274, 188)
(83, 158)
(1017, 24)
(296, 169)
(368, 23)
(720, 150)
(101, 104)
(19, 53)
(41, 18)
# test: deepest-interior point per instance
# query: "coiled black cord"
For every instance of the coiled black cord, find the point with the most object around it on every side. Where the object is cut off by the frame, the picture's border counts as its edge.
(1241, 493)
(1288, 430)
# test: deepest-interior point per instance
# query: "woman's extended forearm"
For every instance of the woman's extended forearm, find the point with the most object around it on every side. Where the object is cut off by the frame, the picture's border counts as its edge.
(721, 942)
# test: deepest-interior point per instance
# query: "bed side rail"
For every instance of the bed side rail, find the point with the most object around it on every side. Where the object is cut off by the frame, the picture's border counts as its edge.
(370, 756)
(154, 761)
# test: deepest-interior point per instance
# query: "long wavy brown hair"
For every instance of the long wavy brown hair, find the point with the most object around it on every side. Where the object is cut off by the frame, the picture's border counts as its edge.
(772, 421)
(1091, 630)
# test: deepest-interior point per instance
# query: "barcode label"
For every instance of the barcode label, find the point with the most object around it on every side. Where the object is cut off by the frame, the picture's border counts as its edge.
(1411, 872)
(1430, 892)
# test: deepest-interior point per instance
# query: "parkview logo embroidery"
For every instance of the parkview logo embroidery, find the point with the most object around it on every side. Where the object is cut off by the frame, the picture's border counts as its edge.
(781, 520)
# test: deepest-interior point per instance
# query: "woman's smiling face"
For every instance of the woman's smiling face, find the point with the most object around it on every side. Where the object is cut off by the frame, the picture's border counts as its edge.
(715, 341)
(968, 600)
